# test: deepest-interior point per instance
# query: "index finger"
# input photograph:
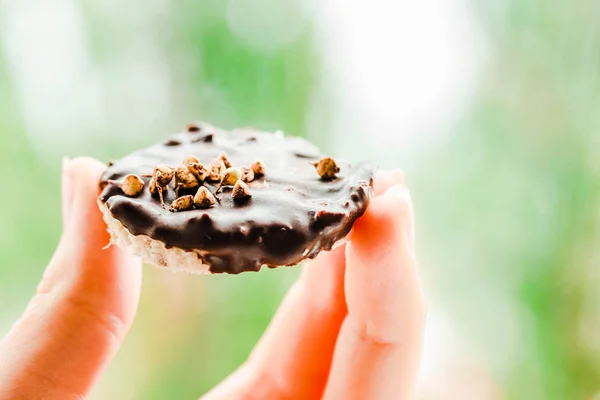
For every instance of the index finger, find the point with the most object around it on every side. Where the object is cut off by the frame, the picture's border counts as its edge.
(84, 306)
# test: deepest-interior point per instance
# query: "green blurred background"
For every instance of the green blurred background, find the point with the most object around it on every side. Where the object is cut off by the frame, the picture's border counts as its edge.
(492, 110)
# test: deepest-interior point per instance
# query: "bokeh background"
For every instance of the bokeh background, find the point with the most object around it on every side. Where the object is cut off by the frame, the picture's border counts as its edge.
(492, 109)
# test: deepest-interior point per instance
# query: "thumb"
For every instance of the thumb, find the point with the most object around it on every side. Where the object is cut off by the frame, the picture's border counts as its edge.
(381, 338)
(84, 306)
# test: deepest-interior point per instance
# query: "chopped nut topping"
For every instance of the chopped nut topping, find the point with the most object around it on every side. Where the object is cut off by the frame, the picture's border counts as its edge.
(190, 159)
(240, 191)
(204, 198)
(152, 186)
(132, 185)
(327, 168)
(258, 167)
(198, 171)
(216, 169)
(225, 158)
(155, 189)
(163, 174)
(184, 179)
(182, 203)
(230, 178)
(161, 177)
(247, 175)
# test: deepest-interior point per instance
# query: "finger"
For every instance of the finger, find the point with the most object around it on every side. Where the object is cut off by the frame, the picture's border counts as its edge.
(66, 191)
(379, 345)
(294, 355)
(385, 179)
(84, 306)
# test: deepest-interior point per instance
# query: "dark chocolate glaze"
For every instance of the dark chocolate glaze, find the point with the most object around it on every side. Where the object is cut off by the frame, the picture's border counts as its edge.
(292, 214)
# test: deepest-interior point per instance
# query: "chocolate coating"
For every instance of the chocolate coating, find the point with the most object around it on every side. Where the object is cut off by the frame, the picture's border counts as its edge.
(292, 214)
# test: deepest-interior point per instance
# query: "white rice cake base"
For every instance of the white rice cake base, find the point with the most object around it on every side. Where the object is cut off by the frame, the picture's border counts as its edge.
(153, 251)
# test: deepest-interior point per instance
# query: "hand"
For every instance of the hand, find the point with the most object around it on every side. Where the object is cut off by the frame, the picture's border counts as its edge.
(351, 327)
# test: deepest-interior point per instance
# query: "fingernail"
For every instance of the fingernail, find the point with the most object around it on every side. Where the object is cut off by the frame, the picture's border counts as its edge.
(67, 189)
(402, 194)
(398, 176)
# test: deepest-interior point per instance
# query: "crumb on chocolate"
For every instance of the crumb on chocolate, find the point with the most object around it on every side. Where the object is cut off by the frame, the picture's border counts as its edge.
(156, 189)
(247, 175)
(230, 177)
(171, 142)
(204, 198)
(190, 160)
(327, 168)
(206, 139)
(182, 203)
(225, 158)
(132, 185)
(216, 169)
(184, 179)
(193, 127)
(163, 174)
(198, 171)
(258, 167)
(240, 191)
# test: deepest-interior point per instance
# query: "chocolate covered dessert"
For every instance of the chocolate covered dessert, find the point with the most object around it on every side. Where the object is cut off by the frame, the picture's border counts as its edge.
(208, 200)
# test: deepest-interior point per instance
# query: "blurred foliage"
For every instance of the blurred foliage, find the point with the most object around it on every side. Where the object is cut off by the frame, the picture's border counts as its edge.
(519, 189)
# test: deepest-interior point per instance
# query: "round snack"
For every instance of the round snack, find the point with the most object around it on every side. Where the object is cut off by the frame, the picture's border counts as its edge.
(215, 201)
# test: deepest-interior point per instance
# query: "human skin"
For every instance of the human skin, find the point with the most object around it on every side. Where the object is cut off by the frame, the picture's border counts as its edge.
(360, 338)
